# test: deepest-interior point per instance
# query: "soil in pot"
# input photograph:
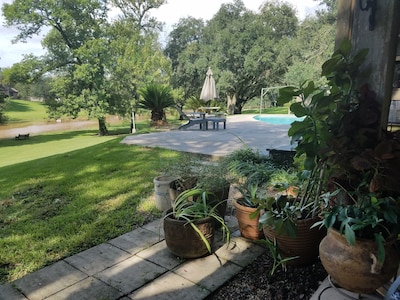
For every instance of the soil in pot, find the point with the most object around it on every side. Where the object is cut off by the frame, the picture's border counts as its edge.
(248, 227)
(183, 241)
(305, 245)
(354, 267)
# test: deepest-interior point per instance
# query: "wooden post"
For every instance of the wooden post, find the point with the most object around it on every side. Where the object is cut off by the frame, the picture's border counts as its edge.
(353, 23)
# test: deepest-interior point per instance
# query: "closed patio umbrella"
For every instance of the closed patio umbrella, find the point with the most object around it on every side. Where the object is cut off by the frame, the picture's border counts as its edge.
(209, 90)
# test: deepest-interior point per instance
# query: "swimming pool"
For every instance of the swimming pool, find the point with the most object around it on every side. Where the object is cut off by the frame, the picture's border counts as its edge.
(277, 119)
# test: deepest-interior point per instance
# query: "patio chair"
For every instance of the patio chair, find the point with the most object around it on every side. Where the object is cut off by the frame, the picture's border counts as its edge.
(202, 122)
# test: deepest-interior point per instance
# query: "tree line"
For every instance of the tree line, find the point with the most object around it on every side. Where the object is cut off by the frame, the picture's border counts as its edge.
(104, 56)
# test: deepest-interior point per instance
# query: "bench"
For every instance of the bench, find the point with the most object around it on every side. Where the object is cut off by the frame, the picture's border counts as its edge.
(22, 136)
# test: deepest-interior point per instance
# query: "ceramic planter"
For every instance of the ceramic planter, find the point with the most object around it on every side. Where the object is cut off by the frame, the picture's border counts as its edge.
(162, 192)
(355, 267)
(248, 227)
(304, 245)
(183, 241)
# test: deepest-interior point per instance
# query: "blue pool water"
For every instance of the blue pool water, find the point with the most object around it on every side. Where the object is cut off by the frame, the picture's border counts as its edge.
(277, 119)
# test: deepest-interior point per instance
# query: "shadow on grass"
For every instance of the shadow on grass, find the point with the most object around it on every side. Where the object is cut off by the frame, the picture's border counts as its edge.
(48, 137)
(18, 106)
(60, 205)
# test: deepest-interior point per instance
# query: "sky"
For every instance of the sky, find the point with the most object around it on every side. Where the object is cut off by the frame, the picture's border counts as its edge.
(169, 13)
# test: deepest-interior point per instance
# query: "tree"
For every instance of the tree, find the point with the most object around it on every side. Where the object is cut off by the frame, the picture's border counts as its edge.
(307, 61)
(24, 76)
(246, 51)
(313, 45)
(183, 49)
(138, 13)
(3, 102)
(156, 98)
(79, 51)
(249, 50)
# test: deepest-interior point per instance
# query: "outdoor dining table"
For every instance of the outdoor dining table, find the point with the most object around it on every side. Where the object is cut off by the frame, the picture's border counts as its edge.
(196, 115)
(210, 109)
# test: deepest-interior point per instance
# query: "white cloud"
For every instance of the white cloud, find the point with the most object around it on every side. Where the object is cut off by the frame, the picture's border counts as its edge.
(169, 13)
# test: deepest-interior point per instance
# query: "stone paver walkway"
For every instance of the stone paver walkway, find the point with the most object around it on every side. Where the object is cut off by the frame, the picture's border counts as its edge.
(136, 265)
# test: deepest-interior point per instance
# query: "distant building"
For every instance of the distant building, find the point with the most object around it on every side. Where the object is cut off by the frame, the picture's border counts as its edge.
(9, 91)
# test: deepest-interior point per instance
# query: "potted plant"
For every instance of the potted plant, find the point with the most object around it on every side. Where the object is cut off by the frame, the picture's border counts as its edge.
(361, 166)
(174, 178)
(213, 177)
(246, 212)
(287, 217)
(249, 173)
(189, 225)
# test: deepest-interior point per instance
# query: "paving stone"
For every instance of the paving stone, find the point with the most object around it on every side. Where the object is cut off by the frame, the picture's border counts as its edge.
(7, 292)
(160, 255)
(170, 286)
(88, 289)
(136, 240)
(240, 251)
(130, 274)
(328, 292)
(156, 227)
(49, 280)
(210, 271)
(98, 258)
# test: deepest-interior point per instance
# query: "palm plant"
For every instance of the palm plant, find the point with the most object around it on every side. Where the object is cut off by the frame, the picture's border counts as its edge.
(156, 98)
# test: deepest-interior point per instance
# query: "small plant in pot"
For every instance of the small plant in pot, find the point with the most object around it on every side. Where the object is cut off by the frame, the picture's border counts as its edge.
(361, 165)
(184, 173)
(249, 171)
(189, 226)
(213, 177)
(247, 213)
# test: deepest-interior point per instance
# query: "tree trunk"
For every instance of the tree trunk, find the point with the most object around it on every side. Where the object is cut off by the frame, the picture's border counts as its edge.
(102, 126)
(231, 104)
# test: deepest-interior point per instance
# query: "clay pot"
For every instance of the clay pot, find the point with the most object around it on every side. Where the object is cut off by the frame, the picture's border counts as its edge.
(183, 241)
(248, 227)
(355, 267)
(305, 245)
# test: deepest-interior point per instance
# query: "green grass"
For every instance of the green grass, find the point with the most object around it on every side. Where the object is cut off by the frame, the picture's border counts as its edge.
(25, 111)
(64, 192)
(56, 206)
(271, 110)
(40, 146)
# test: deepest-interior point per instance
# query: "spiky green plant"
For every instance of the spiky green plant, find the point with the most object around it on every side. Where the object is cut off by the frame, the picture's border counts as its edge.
(156, 98)
(191, 210)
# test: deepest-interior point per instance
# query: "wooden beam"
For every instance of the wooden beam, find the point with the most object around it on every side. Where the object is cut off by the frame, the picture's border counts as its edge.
(381, 42)
(344, 21)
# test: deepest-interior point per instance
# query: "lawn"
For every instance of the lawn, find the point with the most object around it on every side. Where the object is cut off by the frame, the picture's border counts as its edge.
(64, 192)
(22, 111)
(59, 205)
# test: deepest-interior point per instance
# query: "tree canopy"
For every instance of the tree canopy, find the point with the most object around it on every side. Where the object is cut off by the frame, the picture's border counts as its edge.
(99, 64)
(84, 52)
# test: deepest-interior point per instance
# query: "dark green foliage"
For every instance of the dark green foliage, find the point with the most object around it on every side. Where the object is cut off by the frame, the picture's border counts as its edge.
(356, 163)
(3, 103)
(156, 98)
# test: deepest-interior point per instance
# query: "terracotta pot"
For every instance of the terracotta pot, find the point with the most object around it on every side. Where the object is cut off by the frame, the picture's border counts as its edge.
(355, 267)
(304, 245)
(248, 227)
(183, 241)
